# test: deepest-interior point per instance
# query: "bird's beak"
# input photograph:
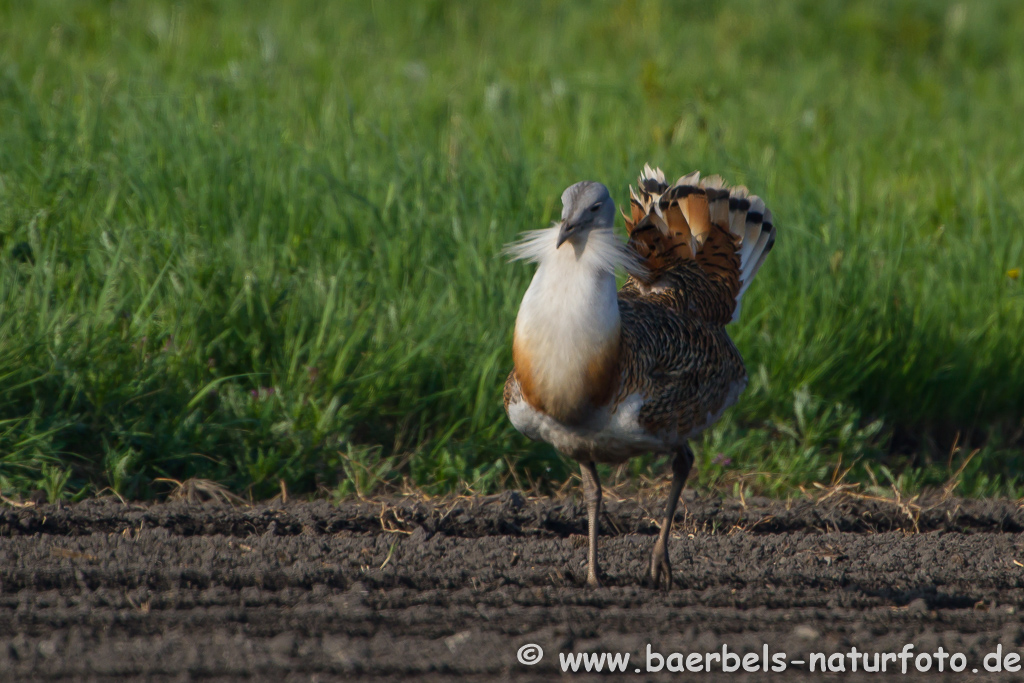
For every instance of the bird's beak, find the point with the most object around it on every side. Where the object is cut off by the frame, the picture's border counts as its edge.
(567, 231)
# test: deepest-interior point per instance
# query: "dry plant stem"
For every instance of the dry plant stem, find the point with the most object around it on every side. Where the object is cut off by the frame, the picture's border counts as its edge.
(661, 568)
(592, 494)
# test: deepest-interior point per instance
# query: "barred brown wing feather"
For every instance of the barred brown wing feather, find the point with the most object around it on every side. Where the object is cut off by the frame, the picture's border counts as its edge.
(686, 369)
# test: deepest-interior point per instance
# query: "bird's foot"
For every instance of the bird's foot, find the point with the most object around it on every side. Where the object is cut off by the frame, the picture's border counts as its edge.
(661, 569)
(592, 580)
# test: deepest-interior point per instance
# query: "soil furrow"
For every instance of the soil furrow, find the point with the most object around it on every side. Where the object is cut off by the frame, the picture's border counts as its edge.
(408, 590)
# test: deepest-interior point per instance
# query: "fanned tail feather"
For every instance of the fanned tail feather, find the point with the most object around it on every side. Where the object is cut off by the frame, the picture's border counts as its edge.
(726, 231)
(764, 245)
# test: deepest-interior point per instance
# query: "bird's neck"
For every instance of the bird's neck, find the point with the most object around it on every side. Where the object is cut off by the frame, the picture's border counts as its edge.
(567, 335)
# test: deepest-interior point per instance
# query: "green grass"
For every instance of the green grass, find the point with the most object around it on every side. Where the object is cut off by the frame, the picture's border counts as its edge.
(260, 242)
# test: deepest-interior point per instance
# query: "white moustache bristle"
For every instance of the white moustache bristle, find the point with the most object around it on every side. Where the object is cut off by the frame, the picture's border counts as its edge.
(603, 251)
(533, 245)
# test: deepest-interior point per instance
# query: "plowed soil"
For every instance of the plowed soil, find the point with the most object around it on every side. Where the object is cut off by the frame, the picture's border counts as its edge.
(438, 591)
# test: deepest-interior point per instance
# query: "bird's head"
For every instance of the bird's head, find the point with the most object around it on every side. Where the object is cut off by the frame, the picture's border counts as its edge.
(585, 206)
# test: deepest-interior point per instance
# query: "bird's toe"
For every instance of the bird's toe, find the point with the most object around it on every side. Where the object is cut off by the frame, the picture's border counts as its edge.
(661, 571)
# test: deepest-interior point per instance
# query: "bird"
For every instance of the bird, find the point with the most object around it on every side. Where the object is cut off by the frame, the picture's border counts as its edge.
(606, 374)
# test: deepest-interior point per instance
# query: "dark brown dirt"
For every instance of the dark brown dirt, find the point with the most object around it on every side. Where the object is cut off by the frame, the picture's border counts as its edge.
(405, 589)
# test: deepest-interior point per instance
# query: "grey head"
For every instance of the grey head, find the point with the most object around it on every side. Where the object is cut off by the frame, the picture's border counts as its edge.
(585, 206)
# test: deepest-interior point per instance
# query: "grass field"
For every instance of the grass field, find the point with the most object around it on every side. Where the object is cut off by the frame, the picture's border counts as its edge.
(258, 243)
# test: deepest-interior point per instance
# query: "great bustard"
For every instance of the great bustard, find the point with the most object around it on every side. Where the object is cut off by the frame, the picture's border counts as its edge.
(605, 375)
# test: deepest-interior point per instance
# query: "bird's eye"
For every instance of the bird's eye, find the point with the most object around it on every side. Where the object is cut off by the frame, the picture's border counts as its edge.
(595, 207)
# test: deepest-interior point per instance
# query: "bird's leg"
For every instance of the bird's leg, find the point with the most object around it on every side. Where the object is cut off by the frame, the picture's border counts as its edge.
(660, 566)
(592, 494)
